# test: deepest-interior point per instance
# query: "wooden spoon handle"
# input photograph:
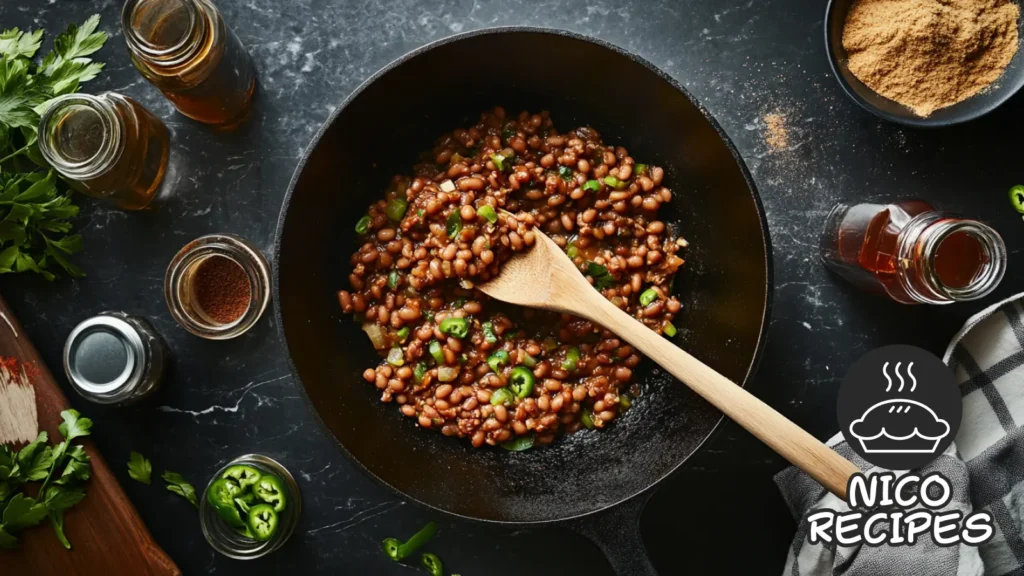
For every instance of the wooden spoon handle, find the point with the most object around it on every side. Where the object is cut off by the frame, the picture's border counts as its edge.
(783, 436)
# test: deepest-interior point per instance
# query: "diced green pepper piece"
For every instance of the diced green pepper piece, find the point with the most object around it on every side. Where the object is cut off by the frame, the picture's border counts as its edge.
(497, 360)
(435, 350)
(648, 296)
(487, 213)
(572, 359)
(363, 225)
(396, 208)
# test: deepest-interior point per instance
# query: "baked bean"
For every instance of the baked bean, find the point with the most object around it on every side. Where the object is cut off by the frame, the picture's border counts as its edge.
(544, 403)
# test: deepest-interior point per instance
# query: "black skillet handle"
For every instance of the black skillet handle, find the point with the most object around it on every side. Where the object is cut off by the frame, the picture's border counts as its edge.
(616, 532)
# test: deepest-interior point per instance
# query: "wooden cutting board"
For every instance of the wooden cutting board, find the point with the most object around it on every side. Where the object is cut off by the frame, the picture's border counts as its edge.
(107, 536)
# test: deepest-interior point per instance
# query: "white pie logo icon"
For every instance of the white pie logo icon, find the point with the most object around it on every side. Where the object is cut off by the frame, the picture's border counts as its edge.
(899, 426)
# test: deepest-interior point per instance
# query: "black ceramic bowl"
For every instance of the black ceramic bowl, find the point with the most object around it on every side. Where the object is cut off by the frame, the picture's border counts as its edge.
(978, 105)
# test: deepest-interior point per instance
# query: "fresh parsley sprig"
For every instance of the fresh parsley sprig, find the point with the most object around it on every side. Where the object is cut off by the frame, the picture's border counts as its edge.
(140, 468)
(35, 208)
(62, 469)
(177, 484)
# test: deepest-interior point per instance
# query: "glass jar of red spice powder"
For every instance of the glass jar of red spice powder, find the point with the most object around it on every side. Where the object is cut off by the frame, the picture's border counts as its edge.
(218, 286)
(913, 253)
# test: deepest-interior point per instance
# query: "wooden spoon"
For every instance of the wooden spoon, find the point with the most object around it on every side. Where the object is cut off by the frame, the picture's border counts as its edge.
(544, 277)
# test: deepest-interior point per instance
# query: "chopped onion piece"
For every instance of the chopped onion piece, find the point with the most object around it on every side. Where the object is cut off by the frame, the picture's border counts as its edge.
(447, 186)
(376, 335)
(447, 373)
(396, 357)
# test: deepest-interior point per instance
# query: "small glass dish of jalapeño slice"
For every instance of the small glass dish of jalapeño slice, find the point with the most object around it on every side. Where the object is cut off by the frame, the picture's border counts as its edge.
(250, 507)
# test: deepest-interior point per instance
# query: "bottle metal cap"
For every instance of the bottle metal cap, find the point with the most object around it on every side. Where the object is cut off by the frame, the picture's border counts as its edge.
(104, 357)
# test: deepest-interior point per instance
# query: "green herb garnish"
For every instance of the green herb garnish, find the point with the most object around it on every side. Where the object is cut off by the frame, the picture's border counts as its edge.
(139, 468)
(177, 484)
(36, 208)
(490, 335)
(591, 186)
(566, 173)
(62, 469)
(454, 224)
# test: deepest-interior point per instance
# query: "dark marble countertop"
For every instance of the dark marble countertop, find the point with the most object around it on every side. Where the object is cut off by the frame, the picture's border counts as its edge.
(742, 59)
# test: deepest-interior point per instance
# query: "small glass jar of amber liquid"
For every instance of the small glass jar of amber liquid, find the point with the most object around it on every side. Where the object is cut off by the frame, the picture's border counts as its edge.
(912, 253)
(106, 146)
(184, 48)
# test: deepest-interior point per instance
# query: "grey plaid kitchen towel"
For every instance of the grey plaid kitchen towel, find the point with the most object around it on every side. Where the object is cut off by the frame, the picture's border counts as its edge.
(985, 465)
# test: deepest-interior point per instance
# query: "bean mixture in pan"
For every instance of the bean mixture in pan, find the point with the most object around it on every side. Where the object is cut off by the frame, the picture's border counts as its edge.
(472, 367)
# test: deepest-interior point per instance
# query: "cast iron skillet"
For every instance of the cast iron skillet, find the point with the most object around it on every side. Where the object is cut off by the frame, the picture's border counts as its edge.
(725, 286)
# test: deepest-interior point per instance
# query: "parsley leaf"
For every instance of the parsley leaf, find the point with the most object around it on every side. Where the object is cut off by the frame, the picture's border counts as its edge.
(22, 512)
(176, 483)
(140, 468)
(15, 43)
(78, 41)
(28, 453)
(57, 521)
(74, 424)
(40, 466)
(6, 540)
(61, 468)
(59, 499)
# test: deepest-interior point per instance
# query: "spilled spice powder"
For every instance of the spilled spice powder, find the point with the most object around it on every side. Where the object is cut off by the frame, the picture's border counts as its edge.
(220, 288)
(930, 54)
(777, 136)
(19, 420)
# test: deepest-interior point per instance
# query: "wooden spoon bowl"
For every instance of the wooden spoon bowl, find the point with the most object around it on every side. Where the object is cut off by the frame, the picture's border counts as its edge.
(545, 277)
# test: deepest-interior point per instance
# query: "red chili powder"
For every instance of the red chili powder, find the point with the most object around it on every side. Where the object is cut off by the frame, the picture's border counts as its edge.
(221, 290)
(15, 367)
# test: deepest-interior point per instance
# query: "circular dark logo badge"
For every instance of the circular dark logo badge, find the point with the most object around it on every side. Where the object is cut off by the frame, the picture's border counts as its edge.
(899, 407)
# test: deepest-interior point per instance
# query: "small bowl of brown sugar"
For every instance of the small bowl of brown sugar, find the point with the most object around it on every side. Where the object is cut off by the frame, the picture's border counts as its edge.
(217, 286)
(926, 63)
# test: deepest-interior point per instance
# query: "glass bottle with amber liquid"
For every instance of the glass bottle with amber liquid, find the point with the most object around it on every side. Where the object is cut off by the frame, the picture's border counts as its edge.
(184, 48)
(107, 146)
(913, 253)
